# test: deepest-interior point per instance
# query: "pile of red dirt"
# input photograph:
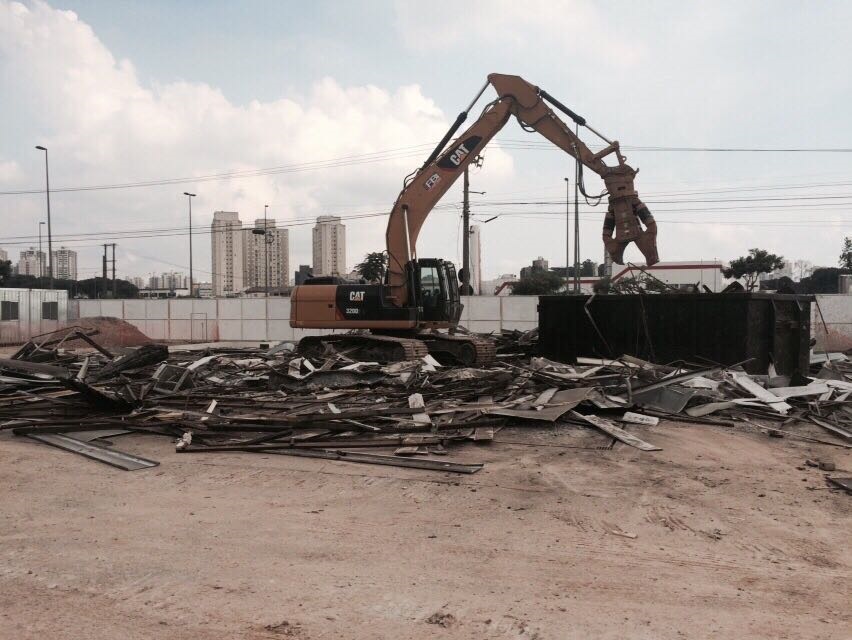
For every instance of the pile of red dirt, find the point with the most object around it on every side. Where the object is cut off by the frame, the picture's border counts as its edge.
(114, 332)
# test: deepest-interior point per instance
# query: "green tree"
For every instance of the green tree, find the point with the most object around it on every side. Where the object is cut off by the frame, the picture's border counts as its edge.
(372, 269)
(5, 270)
(588, 268)
(751, 266)
(537, 283)
(846, 254)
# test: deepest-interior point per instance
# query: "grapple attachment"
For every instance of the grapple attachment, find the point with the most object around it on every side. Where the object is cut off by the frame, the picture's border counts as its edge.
(624, 215)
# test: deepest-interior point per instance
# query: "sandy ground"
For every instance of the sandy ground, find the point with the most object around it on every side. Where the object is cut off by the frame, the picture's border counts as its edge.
(733, 540)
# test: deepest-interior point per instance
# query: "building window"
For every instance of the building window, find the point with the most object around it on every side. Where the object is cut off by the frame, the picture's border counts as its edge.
(50, 311)
(8, 310)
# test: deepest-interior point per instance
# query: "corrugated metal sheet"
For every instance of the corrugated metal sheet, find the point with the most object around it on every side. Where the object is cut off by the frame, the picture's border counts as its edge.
(30, 321)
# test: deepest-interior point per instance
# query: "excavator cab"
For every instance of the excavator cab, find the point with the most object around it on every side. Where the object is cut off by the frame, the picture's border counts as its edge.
(435, 291)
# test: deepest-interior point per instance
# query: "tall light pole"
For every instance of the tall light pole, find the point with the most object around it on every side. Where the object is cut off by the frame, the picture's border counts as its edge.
(189, 197)
(49, 234)
(40, 254)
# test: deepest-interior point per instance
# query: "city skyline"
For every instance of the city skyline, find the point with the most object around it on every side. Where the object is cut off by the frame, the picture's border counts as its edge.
(349, 127)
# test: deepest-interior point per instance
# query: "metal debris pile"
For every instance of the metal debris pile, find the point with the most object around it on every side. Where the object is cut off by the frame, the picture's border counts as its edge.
(419, 414)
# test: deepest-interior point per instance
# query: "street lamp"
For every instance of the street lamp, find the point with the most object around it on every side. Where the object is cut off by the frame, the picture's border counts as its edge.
(189, 197)
(49, 234)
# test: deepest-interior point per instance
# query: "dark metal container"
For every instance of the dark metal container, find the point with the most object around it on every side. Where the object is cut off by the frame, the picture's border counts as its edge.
(723, 328)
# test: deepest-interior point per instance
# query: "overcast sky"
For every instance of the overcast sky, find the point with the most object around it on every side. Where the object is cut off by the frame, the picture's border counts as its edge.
(345, 98)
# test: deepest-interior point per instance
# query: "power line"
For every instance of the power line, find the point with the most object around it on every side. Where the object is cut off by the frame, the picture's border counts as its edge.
(396, 154)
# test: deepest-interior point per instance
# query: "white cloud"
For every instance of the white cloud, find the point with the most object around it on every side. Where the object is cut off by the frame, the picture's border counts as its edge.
(103, 126)
(575, 26)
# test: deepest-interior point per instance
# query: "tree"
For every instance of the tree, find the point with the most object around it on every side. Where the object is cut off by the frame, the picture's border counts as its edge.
(5, 270)
(372, 269)
(588, 268)
(751, 266)
(802, 268)
(846, 254)
(537, 283)
(822, 280)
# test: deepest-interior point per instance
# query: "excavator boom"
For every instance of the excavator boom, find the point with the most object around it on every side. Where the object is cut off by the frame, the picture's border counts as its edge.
(528, 103)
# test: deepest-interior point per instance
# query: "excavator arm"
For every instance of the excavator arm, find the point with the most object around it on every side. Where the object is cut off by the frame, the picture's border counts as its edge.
(528, 104)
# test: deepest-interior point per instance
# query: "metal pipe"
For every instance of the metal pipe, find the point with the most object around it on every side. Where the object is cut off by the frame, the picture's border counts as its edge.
(407, 235)
(478, 96)
(598, 134)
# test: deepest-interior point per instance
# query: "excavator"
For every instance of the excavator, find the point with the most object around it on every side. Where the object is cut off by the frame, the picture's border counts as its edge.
(419, 297)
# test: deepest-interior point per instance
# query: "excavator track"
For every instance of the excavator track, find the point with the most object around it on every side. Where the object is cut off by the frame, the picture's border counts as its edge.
(471, 351)
(364, 347)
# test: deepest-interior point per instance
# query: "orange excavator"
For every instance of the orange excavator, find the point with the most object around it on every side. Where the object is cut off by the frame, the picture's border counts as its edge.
(420, 296)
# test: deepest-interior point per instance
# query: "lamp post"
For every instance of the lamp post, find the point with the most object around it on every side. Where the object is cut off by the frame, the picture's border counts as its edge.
(49, 234)
(189, 197)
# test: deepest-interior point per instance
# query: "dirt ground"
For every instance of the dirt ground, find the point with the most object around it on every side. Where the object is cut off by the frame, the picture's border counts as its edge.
(734, 538)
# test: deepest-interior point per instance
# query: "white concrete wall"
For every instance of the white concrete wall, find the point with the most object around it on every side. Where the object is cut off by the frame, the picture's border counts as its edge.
(268, 319)
(261, 320)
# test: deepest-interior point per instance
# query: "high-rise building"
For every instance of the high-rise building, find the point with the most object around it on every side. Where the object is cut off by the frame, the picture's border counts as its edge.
(32, 262)
(329, 247)
(272, 247)
(303, 274)
(3, 255)
(65, 264)
(227, 240)
(136, 281)
(539, 264)
(475, 259)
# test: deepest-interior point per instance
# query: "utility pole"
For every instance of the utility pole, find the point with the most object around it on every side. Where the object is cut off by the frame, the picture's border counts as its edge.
(465, 290)
(114, 283)
(567, 229)
(189, 197)
(105, 270)
(266, 250)
(577, 215)
(49, 234)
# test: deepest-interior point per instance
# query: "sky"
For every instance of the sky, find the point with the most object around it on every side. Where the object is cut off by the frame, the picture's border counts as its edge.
(736, 114)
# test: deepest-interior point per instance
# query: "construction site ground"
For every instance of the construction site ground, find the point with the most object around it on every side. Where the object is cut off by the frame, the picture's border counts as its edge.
(735, 537)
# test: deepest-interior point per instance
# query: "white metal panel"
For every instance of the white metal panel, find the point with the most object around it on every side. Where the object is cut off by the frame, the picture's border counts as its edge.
(254, 329)
(519, 308)
(230, 329)
(229, 309)
(157, 309)
(180, 309)
(253, 309)
(278, 308)
(157, 329)
(134, 310)
(280, 330)
(484, 308)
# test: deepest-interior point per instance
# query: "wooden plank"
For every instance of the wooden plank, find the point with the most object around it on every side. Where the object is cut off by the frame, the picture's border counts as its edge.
(616, 432)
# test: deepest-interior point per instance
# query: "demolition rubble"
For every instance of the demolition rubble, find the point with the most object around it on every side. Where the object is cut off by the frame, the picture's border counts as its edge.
(68, 391)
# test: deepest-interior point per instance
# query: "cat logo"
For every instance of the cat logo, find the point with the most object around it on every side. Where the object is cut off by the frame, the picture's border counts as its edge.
(455, 156)
(356, 296)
